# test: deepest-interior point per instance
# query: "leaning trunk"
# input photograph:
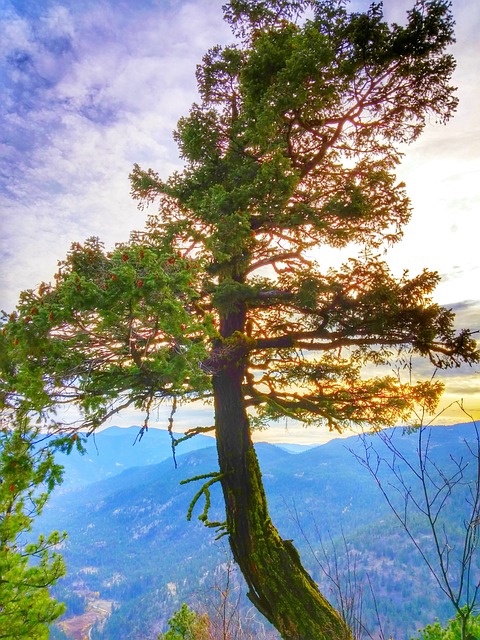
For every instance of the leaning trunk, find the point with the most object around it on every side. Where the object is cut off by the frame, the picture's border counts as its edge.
(279, 586)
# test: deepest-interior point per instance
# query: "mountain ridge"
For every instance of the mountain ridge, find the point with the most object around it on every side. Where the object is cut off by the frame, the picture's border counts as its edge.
(129, 539)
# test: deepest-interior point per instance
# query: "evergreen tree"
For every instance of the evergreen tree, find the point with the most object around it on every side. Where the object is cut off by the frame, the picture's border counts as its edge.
(454, 630)
(222, 298)
(185, 624)
(27, 569)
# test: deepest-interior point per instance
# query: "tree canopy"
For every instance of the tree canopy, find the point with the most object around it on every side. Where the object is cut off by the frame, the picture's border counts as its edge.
(224, 297)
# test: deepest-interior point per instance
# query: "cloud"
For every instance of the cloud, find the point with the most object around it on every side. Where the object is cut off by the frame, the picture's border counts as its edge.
(90, 90)
(467, 314)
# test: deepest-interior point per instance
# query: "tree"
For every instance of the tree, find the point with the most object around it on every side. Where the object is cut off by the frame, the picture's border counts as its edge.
(454, 630)
(422, 490)
(293, 146)
(185, 624)
(27, 569)
(338, 564)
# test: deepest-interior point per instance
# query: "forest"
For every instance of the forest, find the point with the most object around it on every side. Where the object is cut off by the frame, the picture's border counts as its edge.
(129, 539)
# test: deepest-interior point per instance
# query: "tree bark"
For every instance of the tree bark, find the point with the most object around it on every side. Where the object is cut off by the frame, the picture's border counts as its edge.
(278, 584)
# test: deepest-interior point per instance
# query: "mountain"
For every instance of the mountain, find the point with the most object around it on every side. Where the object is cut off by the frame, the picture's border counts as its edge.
(115, 449)
(111, 451)
(130, 543)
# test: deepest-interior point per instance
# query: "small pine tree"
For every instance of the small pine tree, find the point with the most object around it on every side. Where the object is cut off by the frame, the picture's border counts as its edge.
(27, 569)
(458, 628)
(185, 624)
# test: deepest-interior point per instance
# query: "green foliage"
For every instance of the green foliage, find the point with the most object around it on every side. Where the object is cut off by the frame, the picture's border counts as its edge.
(211, 479)
(462, 627)
(118, 328)
(28, 474)
(185, 624)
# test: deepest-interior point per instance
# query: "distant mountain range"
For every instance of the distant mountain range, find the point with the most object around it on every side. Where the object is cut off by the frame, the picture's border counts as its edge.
(113, 450)
(130, 543)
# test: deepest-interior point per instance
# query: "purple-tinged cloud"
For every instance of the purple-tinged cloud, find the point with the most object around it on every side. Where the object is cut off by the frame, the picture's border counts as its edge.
(87, 90)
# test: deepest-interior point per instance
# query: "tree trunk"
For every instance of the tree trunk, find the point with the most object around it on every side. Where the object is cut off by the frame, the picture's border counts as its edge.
(279, 586)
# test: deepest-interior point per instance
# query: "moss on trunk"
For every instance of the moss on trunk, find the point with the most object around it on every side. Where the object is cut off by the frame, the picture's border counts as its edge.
(278, 584)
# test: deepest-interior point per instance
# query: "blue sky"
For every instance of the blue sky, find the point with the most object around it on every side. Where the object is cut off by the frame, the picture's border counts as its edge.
(88, 87)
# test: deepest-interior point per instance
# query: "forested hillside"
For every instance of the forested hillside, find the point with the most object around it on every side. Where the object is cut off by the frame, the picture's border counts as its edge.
(130, 542)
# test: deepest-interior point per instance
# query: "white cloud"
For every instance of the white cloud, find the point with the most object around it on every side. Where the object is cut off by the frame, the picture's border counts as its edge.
(113, 99)
(112, 86)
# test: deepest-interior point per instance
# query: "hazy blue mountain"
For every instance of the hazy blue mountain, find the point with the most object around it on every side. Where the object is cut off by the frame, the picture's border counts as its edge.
(291, 447)
(129, 539)
(115, 449)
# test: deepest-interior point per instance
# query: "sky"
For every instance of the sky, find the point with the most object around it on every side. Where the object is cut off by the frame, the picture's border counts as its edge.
(89, 87)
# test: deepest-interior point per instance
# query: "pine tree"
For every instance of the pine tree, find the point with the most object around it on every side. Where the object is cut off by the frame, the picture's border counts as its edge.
(27, 568)
(185, 624)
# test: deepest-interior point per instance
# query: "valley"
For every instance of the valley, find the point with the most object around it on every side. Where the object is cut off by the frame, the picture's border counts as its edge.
(131, 547)
(96, 613)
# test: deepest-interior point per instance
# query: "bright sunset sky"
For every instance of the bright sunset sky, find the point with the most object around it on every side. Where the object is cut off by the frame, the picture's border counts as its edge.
(88, 87)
